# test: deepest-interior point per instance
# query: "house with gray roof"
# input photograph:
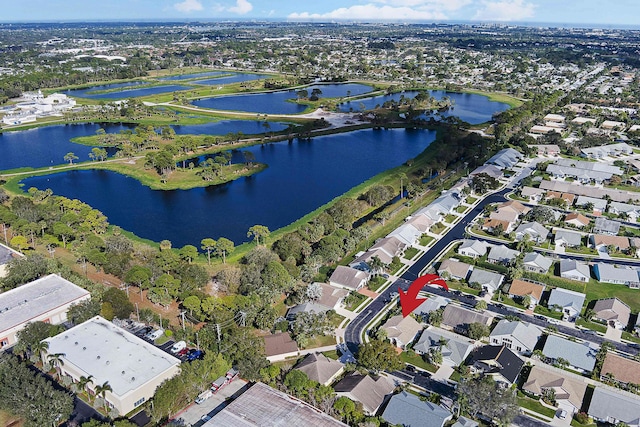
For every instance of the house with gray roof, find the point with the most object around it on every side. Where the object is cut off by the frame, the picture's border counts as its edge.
(497, 361)
(454, 269)
(609, 273)
(307, 307)
(459, 318)
(533, 194)
(581, 356)
(408, 410)
(431, 304)
(518, 336)
(385, 249)
(505, 158)
(608, 150)
(599, 205)
(473, 248)
(606, 226)
(366, 390)
(488, 280)
(502, 255)
(454, 348)
(614, 406)
(537, 263)
(537, 232)
(407, 234)
(446, 203)
(612, 311)
(349, 278)
(320, 368)
(491, 170)
(631, 211)
(465, 422)
(574, 270)
(568, 239)
(567, 301)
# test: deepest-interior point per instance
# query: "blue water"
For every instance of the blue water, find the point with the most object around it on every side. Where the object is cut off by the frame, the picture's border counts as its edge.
(302, 176)
(47, 146)
(276, 102)
(469, 107)
(236, 78)
(122, 94)
(194, 76)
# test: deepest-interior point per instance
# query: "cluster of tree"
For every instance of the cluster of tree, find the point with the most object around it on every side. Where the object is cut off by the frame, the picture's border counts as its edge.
(31, 396)
(483, 396)
(481, 183)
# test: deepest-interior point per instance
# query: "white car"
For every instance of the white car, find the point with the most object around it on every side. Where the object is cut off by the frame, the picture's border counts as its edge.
(180, 345)
(152, 336)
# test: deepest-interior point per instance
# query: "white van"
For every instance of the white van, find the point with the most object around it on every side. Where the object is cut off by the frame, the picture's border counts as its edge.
(152, 336)
(204, 396)
(178, 346)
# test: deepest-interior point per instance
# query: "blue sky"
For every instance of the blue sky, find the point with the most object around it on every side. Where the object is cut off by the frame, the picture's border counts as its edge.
(606, 13)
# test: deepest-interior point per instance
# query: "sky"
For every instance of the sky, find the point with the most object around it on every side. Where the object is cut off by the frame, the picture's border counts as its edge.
(598, 12)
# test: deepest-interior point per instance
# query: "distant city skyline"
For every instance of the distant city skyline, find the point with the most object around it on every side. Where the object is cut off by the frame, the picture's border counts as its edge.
(579, 12)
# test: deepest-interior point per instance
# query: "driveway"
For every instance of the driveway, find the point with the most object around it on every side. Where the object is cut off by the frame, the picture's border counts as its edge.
(192, 416)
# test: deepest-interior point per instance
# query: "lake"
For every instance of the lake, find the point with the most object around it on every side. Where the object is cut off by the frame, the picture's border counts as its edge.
(219, 77)
(470, 107)
(277, 102)
(46, 146)
(302, 176)
(122, 94)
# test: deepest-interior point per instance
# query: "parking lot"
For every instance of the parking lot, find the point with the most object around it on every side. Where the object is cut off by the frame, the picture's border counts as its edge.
(192, 415)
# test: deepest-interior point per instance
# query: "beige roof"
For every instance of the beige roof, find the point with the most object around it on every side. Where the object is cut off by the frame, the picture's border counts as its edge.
(623, 369)
(421, 222)
(330, 295)
(319, 367)
(566, 388)
(454, 268)
(522, 288)
(493, 223)
(617, 241)
(366, 390)
(392, 245)
(515, 205)
(455, 316)
(612, 309)
(280, 343)
(348, 277)
(577, 217)
(403, 329)
(505, 215)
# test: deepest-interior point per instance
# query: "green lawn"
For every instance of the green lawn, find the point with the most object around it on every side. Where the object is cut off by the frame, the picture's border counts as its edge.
(471, 200)
(630, 337)
(332, 354)
(353, 300)
(425, 240)
(535, 406)
(454, 284)
(437, 228)
(461, 209)
(416, 360)
(450, 218)
(376, 282)
(546, 312)
(598, 327)
(410, 253)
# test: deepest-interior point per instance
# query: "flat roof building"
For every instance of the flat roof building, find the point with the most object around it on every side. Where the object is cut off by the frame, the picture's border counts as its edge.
(132, 367)
(44, 300)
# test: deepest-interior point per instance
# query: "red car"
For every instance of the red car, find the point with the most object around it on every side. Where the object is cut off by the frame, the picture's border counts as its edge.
(183, 352)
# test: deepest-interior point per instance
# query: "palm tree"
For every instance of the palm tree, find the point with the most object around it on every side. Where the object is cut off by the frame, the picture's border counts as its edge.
(101, 390)
(83, 382)
(56, 361)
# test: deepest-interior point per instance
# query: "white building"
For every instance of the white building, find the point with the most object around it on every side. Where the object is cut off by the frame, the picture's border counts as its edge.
(44, 300)
(109, 354)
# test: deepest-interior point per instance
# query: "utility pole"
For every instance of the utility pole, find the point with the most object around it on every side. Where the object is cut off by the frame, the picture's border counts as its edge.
(182, 315)
(137, 311)
(218, 330)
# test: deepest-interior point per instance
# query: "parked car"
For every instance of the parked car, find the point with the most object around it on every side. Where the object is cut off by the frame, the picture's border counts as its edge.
(180, 345)
(204, 396)
(193, 355)
(562, 414)
(144, 331)
(183, 352)
(152, 336)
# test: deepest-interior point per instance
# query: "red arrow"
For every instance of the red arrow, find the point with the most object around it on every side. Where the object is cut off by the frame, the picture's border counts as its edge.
(409, 300)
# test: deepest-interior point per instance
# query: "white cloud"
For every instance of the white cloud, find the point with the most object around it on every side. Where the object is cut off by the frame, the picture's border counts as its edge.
(373, 12)
(440, 5)
(241, 7)
(505, 10)
(188, 6)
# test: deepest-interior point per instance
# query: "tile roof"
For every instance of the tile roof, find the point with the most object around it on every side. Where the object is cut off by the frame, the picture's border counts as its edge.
(455, 316)
(280, 343)
(456, 349)
(502, 360)
(348, 277)
(522, 287)
(623, 369)
(366, 390)
(402, 329)
(455, 268)
(615, 406)
(577, 217)
(566, 387)
(612, 309)
(537, 260)
(319, 367)
(579, 355)
(408, 410)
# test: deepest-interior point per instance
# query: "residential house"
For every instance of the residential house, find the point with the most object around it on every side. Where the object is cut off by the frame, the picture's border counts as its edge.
(595, 194)
(320, 368)
(493, 225)
(366, 390)
(385, 249)
(574, 270)
(505, 158)
(497, 361)
(567, 301)
(515, 335)
(408, 410)
(459, 318)
(431, 304)
(453, 347)
(514, 206)
(501, 254)
(577, 220)
(568, 198)
(546, 149)
(331, 297)
(612, 311)
(615, 406)
(407, 234)
(537, 263)
(491, 170)
(106, 353)
(569, 391)
(306, 307)
(6, 255)
(612, 125)
(349, 278)
(421, 222)
(446, 203)
(606, 226)
(454, 269)
(465, 422)
(625, 210)
(598, 205)
(261, 405)
(507, 215)
(46, 299)
(568, 239)
(542, 130)
(473, 248)
(583, 120)
(401, 331)
(487, 280)
(602, 242)
(609, 273)
(521, 288)
(533, 194)
(537, 232)
(620, 369)
(278, 346)
(580, 356)
(556, 118)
